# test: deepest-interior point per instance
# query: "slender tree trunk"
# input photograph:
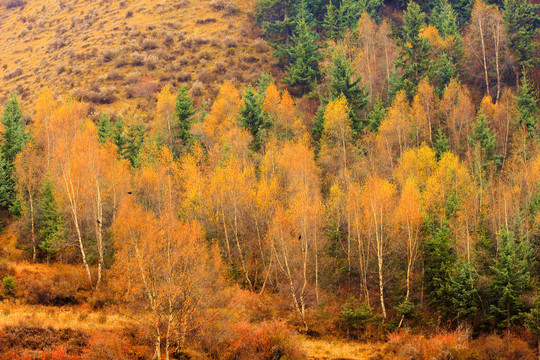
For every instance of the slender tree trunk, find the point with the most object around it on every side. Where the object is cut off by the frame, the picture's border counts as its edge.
(242, 261)
(497, 36)
(31, 200)
(484, 62)
(74, 213)
(99, 232)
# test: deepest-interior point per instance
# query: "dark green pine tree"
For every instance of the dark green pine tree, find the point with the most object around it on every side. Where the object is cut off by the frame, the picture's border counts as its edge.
(510, 281)
(440, 260)
(119, 137)
(444, 18)
(441, 144)
(463, 10)
(414, 53)
(527, 107)
(184, 113)
(342, 84)
(464, 296)
(276, 18)
(13, 141)
(350, 11)
(50, 225)
(303, 70)
(332, 22)
(441, 71)
(134, 142)
(482, 141)
(14, 136)
(376, 115)
(522, 22)
(105, 129)
(532, 320)
(252, 115)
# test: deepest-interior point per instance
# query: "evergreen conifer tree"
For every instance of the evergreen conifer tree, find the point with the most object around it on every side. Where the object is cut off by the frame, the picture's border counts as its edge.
(184, 112)
(342, 84)
(463, 295)
(413, 59)
(49, 223)
(303, 71)
(119, 137)
(510, 281)
(332, 23)
(522, 23)
(105, 129)
(527, 107)
(252, 114)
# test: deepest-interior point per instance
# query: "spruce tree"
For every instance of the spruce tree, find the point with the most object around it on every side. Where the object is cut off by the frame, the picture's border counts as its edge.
(332, 22)
(376, 115)
(527, 107)
(184, 112)
(463, 295)
(13, 141)
(49, 223)
(13, 136)
(482, 141)
(440, 259)
(105, 129)
(342, 84)
(252, 114)
(134, 142)
(441, 143)
(303, 71)
(414, 54)
(119, 137)
(510, 281)
(350, 11)
(444, 18)
(522, 22)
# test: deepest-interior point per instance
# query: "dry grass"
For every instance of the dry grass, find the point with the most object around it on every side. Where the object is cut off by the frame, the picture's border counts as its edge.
(333, 349)
(39, 39)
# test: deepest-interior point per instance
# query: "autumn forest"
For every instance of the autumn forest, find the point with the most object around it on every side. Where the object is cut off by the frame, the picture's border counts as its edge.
(370, 190)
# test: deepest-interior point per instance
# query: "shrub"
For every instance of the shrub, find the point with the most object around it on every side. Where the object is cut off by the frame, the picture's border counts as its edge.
(133, 77)
(268, 340)
(224, 5)
(115, 75)
(207, 77)
(14, 73)
(149, 44)
(13, 3)
(137, 59)
(8, 284)
(143, 89)
(151, 61)
(197, 88)
(259, 45)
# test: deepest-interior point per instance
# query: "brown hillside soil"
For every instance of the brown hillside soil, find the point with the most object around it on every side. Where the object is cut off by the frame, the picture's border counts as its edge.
(118, 54)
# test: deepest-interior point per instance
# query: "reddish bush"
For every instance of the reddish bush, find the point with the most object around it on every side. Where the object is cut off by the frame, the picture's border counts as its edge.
(143, 89)
(268, 340)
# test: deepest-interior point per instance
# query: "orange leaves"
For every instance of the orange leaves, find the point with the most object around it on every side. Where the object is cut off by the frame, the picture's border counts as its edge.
(395, 129)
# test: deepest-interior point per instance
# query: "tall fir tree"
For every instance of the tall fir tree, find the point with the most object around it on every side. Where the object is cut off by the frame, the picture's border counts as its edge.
(522, 23)
(105, 129)
(343, 84)
(528, 112)
(50, 225)
(303, 70)
(134, 142)
(350, 11)
(14, 138)
(510, 281)
(332, 22)
(414, 53)
(252, 114)
(482, 141)
(184, 113)
(440, 260)
(119, 137)
(462, 291)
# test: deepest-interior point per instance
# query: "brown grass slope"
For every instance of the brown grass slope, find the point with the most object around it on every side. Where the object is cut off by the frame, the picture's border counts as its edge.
(118, 54)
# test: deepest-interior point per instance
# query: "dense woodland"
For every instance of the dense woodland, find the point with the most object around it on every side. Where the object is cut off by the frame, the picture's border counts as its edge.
(389, 181)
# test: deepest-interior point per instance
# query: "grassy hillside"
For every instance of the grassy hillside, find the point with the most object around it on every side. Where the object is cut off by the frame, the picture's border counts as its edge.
(118, 54)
